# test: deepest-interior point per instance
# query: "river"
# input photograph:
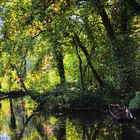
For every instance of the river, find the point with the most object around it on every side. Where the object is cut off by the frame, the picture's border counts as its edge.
(20, 120)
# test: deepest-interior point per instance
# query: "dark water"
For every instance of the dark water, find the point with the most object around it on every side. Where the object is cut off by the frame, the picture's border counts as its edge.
(20, 120)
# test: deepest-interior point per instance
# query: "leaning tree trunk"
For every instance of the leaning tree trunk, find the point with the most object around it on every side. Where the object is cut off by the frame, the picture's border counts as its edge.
(83, 48)
(12, 119)
(119, 49)
(80, 66)
(21, 79)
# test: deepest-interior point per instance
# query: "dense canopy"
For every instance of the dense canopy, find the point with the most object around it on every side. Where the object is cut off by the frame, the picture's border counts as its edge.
(87, 44)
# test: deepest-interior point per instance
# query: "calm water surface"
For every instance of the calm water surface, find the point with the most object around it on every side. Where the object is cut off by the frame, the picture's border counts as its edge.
(20, 121)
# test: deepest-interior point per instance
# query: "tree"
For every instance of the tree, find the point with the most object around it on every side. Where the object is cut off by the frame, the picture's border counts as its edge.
(102, 34)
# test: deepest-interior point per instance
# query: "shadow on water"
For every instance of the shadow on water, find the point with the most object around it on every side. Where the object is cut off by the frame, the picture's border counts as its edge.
(20, 120)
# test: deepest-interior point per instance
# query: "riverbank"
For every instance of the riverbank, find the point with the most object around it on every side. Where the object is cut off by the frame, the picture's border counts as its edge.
(67, 98)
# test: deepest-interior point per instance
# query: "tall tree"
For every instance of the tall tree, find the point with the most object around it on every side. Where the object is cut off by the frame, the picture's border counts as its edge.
(120, 49)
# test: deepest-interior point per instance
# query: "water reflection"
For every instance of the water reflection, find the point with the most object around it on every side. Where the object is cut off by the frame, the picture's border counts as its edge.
(12, 117)
(19, 120)
(20, 135)
(61, 130)
(0, 104)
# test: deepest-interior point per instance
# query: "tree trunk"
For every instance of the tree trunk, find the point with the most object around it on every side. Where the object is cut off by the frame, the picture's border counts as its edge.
(58, 56)
(83, 48)
(80, 66)
(120, 49)
(21, 80)
(12, 119)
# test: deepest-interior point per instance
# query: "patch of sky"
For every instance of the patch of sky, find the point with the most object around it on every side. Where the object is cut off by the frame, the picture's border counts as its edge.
(0, 22)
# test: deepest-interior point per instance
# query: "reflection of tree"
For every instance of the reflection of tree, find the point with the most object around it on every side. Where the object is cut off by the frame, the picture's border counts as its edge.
(84, 132)
(38, 122)
(40, 130)
(22, 111)
(61, 131)
(96, 131)
(136, 130)
(110, 129)
(86, 126)
(0, 104)
(126, 133)
(90, 132)
(40, 127)
(25, 124)
(12, 119)
(130, 132)
(95, 127)
(27, 120)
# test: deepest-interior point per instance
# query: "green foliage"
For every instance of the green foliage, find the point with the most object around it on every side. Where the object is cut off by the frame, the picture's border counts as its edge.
(86, 101)
(39, 38)
(72, 100)
(135, 102)
(71, 67)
